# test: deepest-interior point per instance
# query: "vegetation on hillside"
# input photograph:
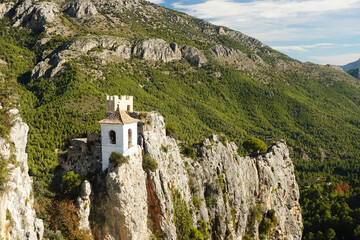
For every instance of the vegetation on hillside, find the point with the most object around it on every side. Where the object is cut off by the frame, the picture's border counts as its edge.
(315, 109)
(354, 72)
(331, 210)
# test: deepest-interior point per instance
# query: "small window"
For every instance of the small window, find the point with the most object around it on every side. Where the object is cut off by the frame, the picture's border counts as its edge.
(112, 136)
(128, 108)
(129, 138)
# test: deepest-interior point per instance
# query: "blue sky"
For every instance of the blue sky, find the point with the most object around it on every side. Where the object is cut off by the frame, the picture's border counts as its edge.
(320, 31)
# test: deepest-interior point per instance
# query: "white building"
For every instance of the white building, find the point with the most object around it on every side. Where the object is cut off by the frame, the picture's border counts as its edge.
(118, 132)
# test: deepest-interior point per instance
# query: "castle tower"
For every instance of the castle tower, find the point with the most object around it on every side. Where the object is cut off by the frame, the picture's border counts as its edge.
(125, 103)
(118, 129)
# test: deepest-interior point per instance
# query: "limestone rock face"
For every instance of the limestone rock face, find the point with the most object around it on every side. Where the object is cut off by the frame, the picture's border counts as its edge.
(5, 8)
(84, 203)
(248, 41)
(126, 209)
(80, 9)
(83, 157)
(18, 201)
(267, 181)
(220, 188)
(171, 174)
(54, 62)
(117, 5)
(36, 15)
(157, 49)
(194, 55)
(235, 57)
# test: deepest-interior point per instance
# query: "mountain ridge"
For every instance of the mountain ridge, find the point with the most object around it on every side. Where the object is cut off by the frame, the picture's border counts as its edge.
(352, 65)
(81, 55)
(352, 68)
(64, 57)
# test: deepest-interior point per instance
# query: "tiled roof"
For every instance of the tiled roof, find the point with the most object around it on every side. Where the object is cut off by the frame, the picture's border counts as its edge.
(118, 117)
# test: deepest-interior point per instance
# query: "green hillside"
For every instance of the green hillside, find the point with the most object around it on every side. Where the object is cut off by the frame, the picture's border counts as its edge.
(354, 72)
(316, 109)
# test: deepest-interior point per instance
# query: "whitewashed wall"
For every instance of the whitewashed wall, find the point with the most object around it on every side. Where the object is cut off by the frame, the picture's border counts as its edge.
(121, 145)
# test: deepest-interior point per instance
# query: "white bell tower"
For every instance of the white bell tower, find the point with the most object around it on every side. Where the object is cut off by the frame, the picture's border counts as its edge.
(118, 129)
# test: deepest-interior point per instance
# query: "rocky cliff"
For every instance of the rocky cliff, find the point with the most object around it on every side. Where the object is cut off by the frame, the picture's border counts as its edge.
(116, 20)
(17, 215)
(226, 196)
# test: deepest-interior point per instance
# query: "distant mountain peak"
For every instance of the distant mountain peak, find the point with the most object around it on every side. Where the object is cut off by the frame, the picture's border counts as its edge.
(353, 68)
(351, 65)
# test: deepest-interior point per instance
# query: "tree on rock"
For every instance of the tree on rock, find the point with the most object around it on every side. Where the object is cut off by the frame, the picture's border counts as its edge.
(71, 180)
(255, 145)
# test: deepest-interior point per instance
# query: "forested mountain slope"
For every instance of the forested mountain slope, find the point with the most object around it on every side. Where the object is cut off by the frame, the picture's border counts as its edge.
(61, 58)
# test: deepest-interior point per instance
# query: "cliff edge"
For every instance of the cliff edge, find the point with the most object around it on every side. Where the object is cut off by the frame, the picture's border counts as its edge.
(17, 215)
(216, 194)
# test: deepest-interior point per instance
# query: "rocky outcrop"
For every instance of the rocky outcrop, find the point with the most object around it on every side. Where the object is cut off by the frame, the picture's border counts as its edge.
(5, 8)
(228, 186)
(126, 205)
(36, 15)
(193, 55)
(19, 221)
(104, 47)
(334, 67)
(234, 57)
(80, 9)
(157, 49)
(117, 5)
(267, 182)
(84, 203)
(109, 48)
(229, 194)
(170, 176)
(247, 41)
(83, 157)
(220, 31)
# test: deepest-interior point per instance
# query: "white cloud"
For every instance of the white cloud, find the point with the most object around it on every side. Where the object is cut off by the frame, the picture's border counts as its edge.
(279, 20)
(318, 46)
(341, 59)
(156, 1)
(266, 8)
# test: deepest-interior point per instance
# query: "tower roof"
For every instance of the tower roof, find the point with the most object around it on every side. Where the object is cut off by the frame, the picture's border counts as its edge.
(118, 117)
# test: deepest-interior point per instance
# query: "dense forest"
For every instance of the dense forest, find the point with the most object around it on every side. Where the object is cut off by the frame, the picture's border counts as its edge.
(317, 116)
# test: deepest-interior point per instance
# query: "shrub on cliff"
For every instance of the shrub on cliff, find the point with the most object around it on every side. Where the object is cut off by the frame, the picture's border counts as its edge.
(71, 181)
(268, 222)
(254, 145)
(182, 217)
(149, 164)
(171, 129)
(3, 173)
(118, 159)
(189, 152)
